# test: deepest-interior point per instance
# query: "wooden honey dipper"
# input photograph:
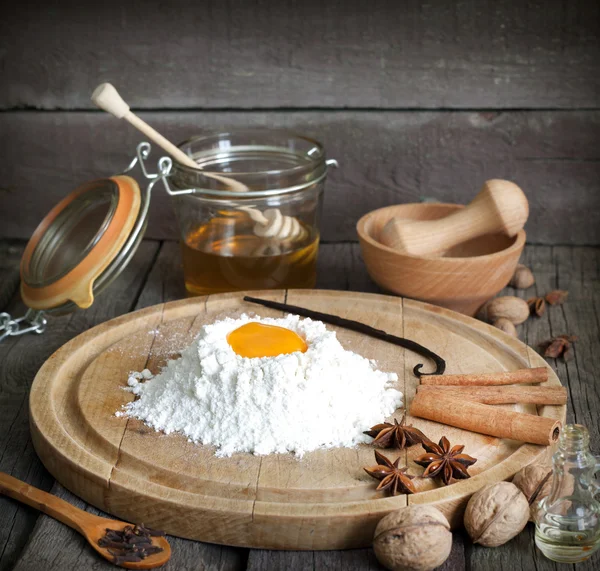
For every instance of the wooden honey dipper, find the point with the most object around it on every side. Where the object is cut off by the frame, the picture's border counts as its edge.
(500, 206)
(270, 224)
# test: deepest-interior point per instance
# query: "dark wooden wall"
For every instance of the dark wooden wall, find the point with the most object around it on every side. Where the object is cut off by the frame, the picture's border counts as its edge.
(415, 100)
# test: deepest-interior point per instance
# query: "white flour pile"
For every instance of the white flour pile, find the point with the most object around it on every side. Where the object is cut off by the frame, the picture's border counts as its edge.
(322, 398)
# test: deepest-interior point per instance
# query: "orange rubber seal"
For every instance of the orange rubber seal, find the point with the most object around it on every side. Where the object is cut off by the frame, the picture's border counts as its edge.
(78, 284)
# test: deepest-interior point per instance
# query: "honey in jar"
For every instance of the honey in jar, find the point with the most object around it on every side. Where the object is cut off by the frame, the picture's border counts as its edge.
(216, 261)
(262, 236)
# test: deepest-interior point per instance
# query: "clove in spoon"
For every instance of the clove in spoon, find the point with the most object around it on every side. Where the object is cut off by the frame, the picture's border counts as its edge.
(270, 224)
(91, 526)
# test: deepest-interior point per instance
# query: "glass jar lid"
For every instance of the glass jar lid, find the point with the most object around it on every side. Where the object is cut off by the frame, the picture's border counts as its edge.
(81, 245)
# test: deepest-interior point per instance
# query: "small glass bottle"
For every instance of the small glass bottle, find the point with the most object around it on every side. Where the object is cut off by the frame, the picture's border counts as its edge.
(567, 526)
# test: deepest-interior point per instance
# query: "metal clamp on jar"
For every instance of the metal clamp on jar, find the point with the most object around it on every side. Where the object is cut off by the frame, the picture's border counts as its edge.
(263, 236)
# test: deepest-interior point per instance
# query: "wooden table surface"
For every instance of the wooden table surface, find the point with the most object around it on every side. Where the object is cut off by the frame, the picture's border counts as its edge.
(30, 541)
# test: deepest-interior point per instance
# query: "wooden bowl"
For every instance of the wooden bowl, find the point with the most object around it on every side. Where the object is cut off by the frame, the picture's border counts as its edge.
(463, 279)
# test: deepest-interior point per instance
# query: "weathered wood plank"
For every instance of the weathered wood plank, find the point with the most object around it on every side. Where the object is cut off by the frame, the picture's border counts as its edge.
(20, 358)
(575, 269)
(10, 255)
(263, 560)
(224, 54)
(385, 158)
(577, 272)
(350, 560)
(165, 281)
(340, 266)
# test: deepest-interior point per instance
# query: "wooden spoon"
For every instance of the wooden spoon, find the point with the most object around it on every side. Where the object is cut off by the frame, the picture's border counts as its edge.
(107, 97)
(92, 527)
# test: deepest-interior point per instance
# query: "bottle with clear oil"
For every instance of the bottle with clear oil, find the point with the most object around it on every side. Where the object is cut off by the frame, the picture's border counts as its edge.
(567, 526)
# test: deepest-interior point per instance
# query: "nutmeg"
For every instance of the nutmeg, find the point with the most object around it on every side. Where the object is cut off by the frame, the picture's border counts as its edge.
(506, 325)
(510, 307)
(535, 481)
(522, 278)
(413, 538)
(496, 514)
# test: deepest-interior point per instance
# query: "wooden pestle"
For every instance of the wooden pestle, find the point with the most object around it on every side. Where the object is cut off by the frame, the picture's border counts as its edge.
(500, 206)
(270, 224)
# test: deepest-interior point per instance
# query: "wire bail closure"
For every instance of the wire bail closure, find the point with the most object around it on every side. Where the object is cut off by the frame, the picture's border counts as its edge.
(165, 166)
(32, 322)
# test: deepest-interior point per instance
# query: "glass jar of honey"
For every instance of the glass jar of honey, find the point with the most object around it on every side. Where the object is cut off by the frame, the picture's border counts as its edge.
(264, 236)
(248, 218)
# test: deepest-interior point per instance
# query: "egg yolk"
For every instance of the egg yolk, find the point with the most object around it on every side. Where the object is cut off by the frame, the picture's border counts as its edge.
(259, 340)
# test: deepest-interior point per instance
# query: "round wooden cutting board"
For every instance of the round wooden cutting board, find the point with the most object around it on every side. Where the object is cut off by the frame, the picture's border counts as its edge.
(324, 500)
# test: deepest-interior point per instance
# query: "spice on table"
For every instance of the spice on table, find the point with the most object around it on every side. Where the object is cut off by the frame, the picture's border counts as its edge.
(444, 461)
(496, 513)
(535, 481)
(510, 307)
(131, 544)
(506, 325)
(522, 278)
(397, 435)
(561, 346)
(413, 537)
(537, 306)
(393, 478)
(557, 297)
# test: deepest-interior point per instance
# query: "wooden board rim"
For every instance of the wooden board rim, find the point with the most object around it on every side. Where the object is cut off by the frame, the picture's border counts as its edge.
(106, 480)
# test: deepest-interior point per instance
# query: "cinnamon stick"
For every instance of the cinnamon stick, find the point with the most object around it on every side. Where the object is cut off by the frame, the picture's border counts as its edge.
(484, 418)
(535, 375)
(503, 395)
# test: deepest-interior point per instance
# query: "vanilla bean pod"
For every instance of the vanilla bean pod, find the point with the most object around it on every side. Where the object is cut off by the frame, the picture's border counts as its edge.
(359, 327)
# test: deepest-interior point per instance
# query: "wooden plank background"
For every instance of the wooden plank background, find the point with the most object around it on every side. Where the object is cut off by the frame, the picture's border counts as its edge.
(386, 157)
(416, 100)
(333, 54)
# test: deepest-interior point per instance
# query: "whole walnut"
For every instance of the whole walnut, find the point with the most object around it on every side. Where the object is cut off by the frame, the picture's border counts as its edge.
(522, 278)
(535, 481)
(496, 514)
(510, 307)
(506, 325)
(414, 538)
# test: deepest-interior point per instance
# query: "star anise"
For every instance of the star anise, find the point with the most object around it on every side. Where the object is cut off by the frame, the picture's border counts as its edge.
(393, 479)
(397, 435)
(537, 306)
(561, 346)
(446, 462)
(557, 297)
